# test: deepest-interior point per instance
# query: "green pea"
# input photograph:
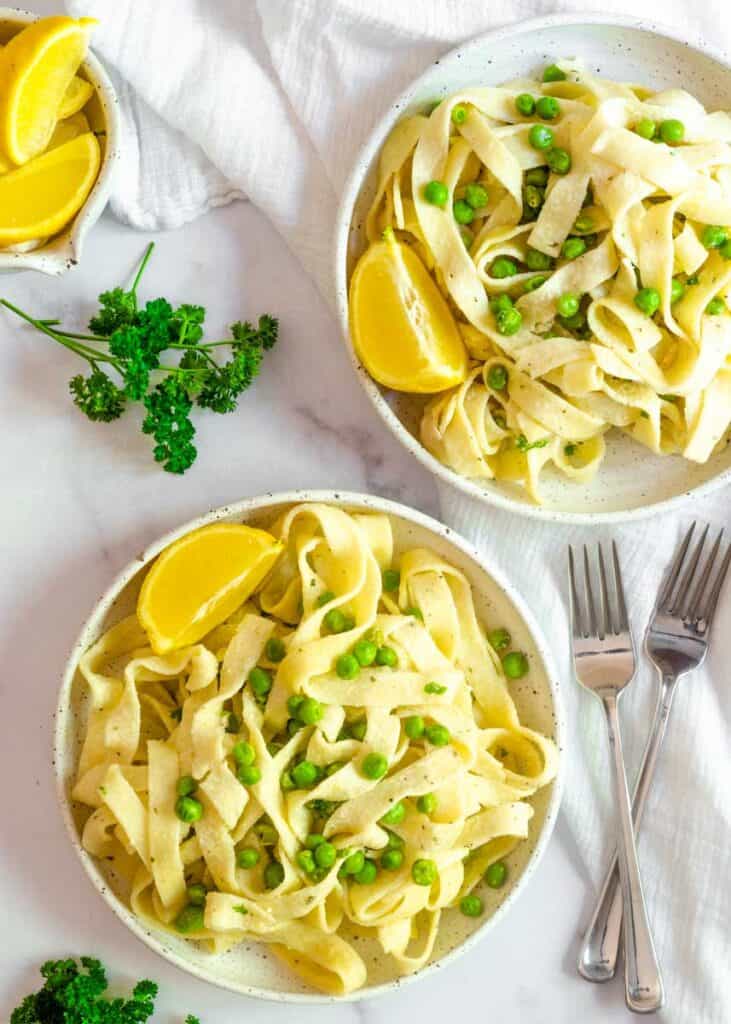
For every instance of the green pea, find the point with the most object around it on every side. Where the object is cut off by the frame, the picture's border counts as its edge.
(647, 301)
(188, 809)
(306, 861)
(692, 280)
(310, 711)
(190, 919)
(515, 665)
(336, 621)
(583, 224)
(567, 304)
(426, 804)
(716, 306)
(536, 260)
(577, 322)
(247, 857)
(374, 766)
(435, 688)
(294, 702)
(559, 160)
(233, 724)
(325, 598)
(496, 875)
(244, 753)
(537, 176)
(305, 774)
(248, 774)
(354, 864)
(466, 235)
(286, 782)
(394, 815)
(525, 104)
(499, 639)
(365, 652)
(471, 906)
(266, 833)
(497, 377)
(436, 193)
(358, 729)
(424, 871)
(391, 580)
(313, 840)
(725, 250)
(548, 108)
(573, 248)
(414, 727)
(186, 785)
(367, 874)
(391, 860)
(540, 137)
(672, 131)
(714, 236)
(476, 196)
(273, 874)
(498, 302)
(553, 73)
(677, 290)
(325, 855)
(347, 666)
(260, 681)
(387, 657)
(535, 282)
(275, 649)
(459, 114)
(197, 894)
(509, 321)
(503, 267)
(437, 735)
(645, 128)
(533, 197)
(463, 212)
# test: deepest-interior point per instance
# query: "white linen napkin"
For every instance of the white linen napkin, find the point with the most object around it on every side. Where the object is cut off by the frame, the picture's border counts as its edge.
(271, 100)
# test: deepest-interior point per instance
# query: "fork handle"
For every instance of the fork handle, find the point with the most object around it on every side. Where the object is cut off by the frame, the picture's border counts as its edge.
(643, 984)
(600, 946)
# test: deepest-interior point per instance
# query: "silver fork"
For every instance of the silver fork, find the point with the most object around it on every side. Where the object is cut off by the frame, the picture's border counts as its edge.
(604, 661)
(677, 642)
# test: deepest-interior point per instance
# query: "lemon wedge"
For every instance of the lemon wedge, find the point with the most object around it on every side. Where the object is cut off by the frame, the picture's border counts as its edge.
(200, 580)
(42, 197)
(402, 328)
(36, 69)
(75, 98)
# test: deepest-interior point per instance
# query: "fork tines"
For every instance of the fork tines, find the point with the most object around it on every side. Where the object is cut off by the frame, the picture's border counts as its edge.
(613, 618)
(693, 584)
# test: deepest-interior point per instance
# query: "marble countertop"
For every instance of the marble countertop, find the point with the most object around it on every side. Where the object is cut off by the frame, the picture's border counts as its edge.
(81, 499)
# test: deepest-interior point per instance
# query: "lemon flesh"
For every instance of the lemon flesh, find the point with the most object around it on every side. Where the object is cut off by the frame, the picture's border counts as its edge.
(37, 68)
(402, 328)
(75, 98)
(201, 579)
(42, 197)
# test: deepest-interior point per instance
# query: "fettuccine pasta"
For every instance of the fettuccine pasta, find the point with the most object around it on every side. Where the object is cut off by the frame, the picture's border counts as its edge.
(580, 230)
(340, 757)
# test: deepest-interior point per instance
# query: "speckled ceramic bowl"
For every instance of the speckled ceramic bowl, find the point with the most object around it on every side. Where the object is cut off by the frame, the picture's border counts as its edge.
(632, 482)
(63, 251)
(249, 968)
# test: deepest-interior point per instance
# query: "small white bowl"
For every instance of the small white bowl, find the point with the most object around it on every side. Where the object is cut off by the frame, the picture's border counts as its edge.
(250, 969)
(63, 251)
(632, 482)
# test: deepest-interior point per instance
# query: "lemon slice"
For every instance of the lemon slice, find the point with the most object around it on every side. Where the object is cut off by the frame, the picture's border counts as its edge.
(402, 328)
(200, 580)
(36, 69)
(42, 197)
(75, 98)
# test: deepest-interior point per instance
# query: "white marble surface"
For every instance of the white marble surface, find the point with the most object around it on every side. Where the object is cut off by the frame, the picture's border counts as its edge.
(81, 499)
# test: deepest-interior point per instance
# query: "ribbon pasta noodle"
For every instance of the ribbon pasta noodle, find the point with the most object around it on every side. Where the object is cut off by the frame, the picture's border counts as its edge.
(310, 825)
(630, 228)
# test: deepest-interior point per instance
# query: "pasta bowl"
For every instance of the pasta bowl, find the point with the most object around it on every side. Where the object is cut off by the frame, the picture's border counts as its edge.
(249, 968)
(58, 254)
(631, 482)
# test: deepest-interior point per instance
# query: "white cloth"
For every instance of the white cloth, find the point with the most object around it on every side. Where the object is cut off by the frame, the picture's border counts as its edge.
(270, 99)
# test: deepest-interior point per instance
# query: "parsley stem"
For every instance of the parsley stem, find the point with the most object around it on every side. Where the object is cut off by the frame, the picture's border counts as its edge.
(141, 270)
(80, 350)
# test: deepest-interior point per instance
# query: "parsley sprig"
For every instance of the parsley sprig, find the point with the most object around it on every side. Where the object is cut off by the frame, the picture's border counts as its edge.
(125, 349)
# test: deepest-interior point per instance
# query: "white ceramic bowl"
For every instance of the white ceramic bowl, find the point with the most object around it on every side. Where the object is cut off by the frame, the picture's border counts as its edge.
(63, 251)
(250, 969)
(632, 482)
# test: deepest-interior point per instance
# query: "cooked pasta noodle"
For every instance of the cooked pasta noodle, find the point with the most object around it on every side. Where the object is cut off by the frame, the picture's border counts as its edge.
(620, 213)
(307, 761)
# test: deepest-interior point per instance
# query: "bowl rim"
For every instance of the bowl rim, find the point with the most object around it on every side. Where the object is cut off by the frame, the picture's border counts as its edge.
(354, 183)
(42, 259)
(245, 508)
